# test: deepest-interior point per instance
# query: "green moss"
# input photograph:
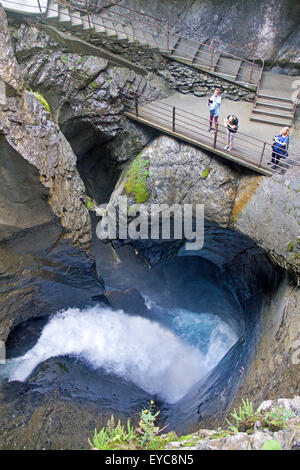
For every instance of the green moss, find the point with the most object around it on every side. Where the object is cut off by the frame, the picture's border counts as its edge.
(186, 438)
(290, 247)
(205, 173)
(271, 444)
(136, 184)
(94, 85)
(42, 100)
(190, 443)
(90, 203)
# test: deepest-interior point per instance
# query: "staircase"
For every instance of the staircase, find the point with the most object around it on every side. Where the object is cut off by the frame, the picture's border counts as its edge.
(132, 27)
(274, 104)
(206, 56)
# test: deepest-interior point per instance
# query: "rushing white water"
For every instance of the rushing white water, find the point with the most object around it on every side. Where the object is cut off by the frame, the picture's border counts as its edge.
(161, 361)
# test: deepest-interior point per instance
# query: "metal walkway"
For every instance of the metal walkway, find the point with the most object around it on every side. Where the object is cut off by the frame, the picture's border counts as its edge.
(275, 104)
(165, 115)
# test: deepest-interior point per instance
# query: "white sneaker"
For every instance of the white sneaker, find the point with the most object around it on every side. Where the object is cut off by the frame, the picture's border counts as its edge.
(229, 148)
(226, 147)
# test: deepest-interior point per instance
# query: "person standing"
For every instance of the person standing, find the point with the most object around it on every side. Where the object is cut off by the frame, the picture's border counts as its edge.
(280, 146)
(232, 124)
(214, 104)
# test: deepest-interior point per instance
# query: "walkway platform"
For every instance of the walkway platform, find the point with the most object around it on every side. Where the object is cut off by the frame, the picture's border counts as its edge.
(252, 145)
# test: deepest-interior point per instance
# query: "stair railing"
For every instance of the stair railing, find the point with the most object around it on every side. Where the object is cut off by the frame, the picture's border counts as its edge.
(164, 37)
(166, 26)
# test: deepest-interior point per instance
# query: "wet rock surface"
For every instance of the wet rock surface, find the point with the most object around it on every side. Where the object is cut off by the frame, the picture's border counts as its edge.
(233, 197)
(41, 273)
(64, 415)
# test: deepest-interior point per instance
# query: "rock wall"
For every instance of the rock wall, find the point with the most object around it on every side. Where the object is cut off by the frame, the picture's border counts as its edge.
(233, 197)
(28, 130)
(269, 29)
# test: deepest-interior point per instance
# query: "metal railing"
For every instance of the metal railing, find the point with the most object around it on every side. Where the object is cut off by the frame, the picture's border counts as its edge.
(166, 38)
(204, 54)
(189, 126)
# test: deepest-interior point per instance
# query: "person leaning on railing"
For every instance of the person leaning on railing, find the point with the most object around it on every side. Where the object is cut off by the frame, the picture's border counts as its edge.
(280, 146)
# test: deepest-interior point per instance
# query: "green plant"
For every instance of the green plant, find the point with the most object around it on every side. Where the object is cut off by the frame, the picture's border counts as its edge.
(271, 444)
(136, 183)
(290, 247)
(113, 436)
(145, 436)
(42, 100)
(277, 417)
(245, 412)
(90, 203)
(147, 427)
(94, 85)
(205, 173)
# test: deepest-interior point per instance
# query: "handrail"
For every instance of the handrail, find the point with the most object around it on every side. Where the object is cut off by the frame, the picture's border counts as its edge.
(254, 151)
(191, 46)
(164, 22)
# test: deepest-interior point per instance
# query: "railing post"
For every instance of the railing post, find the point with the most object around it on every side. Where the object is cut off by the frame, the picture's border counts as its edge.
(216, 135)
(88, 15)
(136, 104)
(251, 73)
(212, 52)
(173, 119)
(262, 154)
(168, 35)
(40, 8)
(132, 23)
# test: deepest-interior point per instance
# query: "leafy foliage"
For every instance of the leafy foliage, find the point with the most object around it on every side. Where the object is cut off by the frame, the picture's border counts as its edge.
(244, 412)
(112, 436)
(117, 436)
(245, 418)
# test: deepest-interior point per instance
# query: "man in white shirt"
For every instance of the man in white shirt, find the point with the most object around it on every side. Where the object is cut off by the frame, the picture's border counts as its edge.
(214, 104)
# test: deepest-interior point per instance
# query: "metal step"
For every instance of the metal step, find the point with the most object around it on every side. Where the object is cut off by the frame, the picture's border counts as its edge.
(64, 16)
(227, 67)
(244, 73)
(52, 11)
(87, 23)
(76, 21)
(122, 37)
(99, 30)
(110, 29)
(184, 48)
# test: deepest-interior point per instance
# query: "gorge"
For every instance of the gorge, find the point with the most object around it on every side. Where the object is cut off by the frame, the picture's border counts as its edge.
(94, 328)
